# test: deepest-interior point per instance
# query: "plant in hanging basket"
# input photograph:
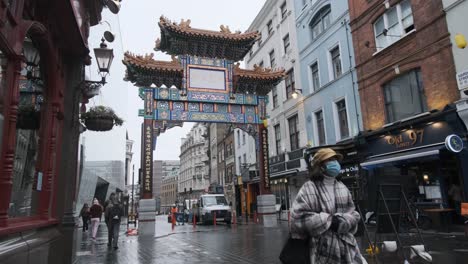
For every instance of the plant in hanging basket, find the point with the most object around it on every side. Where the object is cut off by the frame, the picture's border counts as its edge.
(100, 118)
(29, 118)
(91, 89)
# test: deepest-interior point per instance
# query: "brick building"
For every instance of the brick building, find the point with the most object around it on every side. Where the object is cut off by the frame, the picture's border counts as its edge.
(423, 44)
(407, 87)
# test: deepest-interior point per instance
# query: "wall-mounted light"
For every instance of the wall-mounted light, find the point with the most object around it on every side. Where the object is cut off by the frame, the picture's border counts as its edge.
(113, 5)
(426, 177)
(108, 35)
(32, 58)
(460, 41)
(296, 92)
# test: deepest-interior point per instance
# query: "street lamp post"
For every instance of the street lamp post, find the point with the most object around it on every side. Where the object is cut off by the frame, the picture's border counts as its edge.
(133, 195)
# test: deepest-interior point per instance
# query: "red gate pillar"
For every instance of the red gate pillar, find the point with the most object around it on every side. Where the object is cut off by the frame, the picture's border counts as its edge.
(147, 204)
(263, 161)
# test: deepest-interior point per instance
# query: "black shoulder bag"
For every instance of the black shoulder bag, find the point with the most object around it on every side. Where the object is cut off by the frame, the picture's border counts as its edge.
(295, 251)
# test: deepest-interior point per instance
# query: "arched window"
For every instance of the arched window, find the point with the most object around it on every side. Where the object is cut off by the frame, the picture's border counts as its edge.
(321, 21)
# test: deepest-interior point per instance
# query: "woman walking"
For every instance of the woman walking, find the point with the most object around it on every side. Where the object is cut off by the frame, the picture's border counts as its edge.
(84, 214)
(96, 213)
(324, 214)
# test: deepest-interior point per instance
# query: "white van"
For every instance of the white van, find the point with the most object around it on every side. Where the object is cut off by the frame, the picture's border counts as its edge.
(209, 204)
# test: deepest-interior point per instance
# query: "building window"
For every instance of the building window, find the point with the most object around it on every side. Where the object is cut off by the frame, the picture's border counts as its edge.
(270, 27)
(315, 76)
(277, 139)
(260, 64)
(321, 21)
(293, 132)
(320, 127)
(243, 138)
(250, 53)
(336, 62)
(284, 10)
(393, 24)
(245, 158)
(286, 44)
(404, 96)
(272, 59)
(238, 138)
(274, 94)
(290, 83)
(260, 40)
(342, 118)
(240, 162)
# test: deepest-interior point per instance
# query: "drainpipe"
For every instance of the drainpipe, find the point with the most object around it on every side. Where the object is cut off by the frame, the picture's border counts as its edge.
(345, 23)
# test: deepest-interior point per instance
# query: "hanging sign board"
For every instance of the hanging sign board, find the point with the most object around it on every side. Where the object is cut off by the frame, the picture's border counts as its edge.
(454, 143)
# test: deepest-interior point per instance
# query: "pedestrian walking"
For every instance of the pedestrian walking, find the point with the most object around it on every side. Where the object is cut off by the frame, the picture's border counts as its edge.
(96, 213)
(84, 214)
(324, 215)
(106, 203)
(113, 215)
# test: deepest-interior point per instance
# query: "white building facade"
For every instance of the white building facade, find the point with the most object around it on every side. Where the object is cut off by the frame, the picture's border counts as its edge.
(246, 157)
(456, 11)
(286, 130)
(194, 177)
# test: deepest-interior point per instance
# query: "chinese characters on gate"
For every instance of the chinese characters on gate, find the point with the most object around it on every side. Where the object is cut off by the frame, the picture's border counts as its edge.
(148, 156)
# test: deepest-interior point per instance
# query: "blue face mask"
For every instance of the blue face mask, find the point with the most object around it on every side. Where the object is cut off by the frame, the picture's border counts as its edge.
(332, 168)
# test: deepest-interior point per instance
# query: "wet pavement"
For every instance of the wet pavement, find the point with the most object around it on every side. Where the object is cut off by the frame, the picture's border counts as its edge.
(243, 243)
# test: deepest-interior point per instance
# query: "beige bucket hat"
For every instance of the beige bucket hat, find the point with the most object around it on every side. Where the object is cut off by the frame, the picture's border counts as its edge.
(323, 154)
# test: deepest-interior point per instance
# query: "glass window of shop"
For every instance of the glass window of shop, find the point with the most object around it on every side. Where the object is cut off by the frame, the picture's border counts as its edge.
(279, 188)
(24, 195)
(429, 182)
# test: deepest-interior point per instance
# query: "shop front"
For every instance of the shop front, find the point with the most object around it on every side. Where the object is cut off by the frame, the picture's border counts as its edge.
(288, 174)
(40, 90)
(426, 157)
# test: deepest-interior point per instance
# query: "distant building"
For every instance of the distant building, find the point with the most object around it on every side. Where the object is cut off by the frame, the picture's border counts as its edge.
(194, 176)
(99, 179)
(128, 161)
(245, 166)
(169, 191)
(161, 168)
(226, 163)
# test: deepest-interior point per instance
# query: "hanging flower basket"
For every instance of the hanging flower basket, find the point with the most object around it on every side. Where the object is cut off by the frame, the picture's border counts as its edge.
(100, 118)
(91, 89)
(28, 118)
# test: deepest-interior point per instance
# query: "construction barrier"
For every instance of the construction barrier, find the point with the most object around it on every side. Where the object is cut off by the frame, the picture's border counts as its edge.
(173, 220)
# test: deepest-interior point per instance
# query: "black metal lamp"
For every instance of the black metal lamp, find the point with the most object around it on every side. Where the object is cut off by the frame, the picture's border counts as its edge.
(104, 57)
(32, 58)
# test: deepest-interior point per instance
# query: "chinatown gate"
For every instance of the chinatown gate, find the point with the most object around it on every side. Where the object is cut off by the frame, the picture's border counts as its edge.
(202, 83)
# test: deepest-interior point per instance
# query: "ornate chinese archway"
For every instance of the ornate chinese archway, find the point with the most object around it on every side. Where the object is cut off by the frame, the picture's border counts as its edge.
(202, 83)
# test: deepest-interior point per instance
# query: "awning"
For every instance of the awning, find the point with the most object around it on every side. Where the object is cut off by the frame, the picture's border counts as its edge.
(284, 173)
(404, 155)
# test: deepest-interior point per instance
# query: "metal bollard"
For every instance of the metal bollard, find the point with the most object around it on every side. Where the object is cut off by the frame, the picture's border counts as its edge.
(234, 218)
(255, 217)
(194, 221)
(289, 217)
(214, 219)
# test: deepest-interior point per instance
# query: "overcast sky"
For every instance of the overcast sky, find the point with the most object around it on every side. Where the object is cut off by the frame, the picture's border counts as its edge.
(137, 24)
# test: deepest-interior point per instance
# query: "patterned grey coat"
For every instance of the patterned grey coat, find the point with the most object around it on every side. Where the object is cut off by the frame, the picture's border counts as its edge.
(311, 218)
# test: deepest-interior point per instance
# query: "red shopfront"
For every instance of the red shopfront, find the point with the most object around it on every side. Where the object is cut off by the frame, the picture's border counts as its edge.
(39, 128)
